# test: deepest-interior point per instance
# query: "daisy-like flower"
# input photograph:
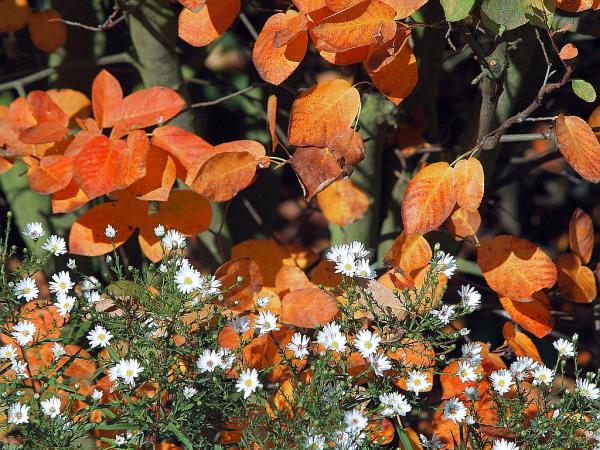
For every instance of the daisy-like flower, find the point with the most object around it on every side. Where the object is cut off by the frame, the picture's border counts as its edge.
(299, 345)
(315, 443)
(9, 351)
(565, 348)
(51, 407)
(521, 367)
(472, 394)
(92, 297)
(20, 368)
(97, 394)
(23, 332)
(159, 230)
(173, 239)
(129, 370)
(240, 324)
(113, 373)
(58, 351)
(469, 297)
(363, 269)
(90, 283)
(55, 245)
(543, 375)
(71, 264)
(355, 421)
(455, 410)
(263, 301)
(65, 304)
(209, 360)
(26, 289)
(380, 364)
(471, 353)
(502, 444)
(266, 322)
(346, 265)
(18, 413)
(61, 283)
(367, 343)
(187, 279)
(110, 231)
(248, 382)
(358, 249)
(587, 389)
(502, 381)
(34, 230)
(417, 382)
(335, 253)
(444, 313)
(332, 338)
(189, 392)
(464, 331)
(466, 372)
(394, 404)
(210, 286)
(99, 337)
(433, 443)
(446, 264)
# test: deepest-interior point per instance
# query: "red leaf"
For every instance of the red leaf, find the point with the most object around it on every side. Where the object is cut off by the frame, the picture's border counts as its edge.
(52, 174)
(148, 107)
(132, 162)
(106, 98)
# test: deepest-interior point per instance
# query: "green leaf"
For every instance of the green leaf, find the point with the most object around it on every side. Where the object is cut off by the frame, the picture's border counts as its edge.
(505, 15)
(584, 90)
(180, 435)
(456, 10)
(540, 10)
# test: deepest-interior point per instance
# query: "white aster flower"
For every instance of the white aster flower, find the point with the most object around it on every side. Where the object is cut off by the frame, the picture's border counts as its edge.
(26, 289)
(455, 410)
(173, 240)
(240, 324)
(209, 360)
(332, 338)
(188, 279)
(71, 264)
(335, 253)
(8, 351)
(394, 404)
(23, 332)
(97, 394)
(99, 337)
(417, 382)
(469, 297)
(113, 373)
(314, 443)
(266, 322)
(61, 284)
(471, 353)
(189, 392)
(18, 413)
(446, 263)
(159, 230)
(346, 265)
(358, 249)
(444, 313)
(20, 368)
(90, 283)
(587, 389)
(299, 345)
(367, 343)
(543, 375)
(129, 370)
(466, 372)
(464, 331)
(210, 286)
(380, 364)
(433, 443)
(263, 301)
(248, 382)
(110, 231)
(92, 297)
(521, 366)
(502, 381)
(64, 304)
(502, 444)
(355, 421)
(34, 230)
(58, 350)
(55, 245)
(364, 270)
(472, 394)
(51, 407)
(565, 348)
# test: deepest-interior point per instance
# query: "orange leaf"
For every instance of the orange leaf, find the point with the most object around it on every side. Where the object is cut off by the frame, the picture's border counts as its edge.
(52, 174)
(343, 203)
(316, 168)
(451, 384)
(47, 33)
(263, 351)
(272, 121)
(290, 278)
(159, 179)
(132, 161)
(106, 98)
(515, 267)
(581, 235)
(323, 111)
(346, 57)
(408, 252)
(360, 25)
(463, 223)
(96, 166)
(307, 308)
(68, 199)
(569, 51)
(193, 5)
(202, 27)
(520, 343)
(308, 6)
(240, 297)
(20, 116)
(45, 110)
(256, 149)
(150, 106)
(149, 242)
(576, 282)
(468, 183)
(405, 8)
(393, 68)
(381, 431)
(579, 146)
(14, 15)
(324, 273)
(43, 133)
(268, 254)
(339, 5)
(74, 104)
(574, 5)
(533, 314)
(224, 175)
(186, 212)
(429, 199)
(275, 63)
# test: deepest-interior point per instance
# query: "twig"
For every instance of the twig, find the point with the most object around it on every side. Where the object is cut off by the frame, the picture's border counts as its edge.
(523, 168)
(249, 26)
(222, 99)
(107, 25)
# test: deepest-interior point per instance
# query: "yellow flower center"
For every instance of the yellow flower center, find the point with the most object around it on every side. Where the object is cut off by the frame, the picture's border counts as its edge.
(248, 382)
(129, 372)
(187, 280)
